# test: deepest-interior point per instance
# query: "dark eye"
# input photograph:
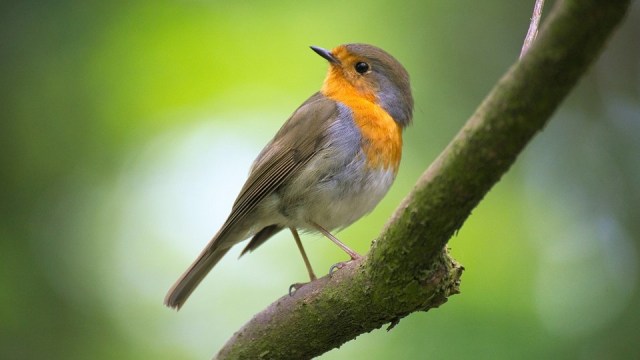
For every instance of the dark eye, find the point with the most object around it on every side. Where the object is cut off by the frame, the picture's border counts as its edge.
(362, 67)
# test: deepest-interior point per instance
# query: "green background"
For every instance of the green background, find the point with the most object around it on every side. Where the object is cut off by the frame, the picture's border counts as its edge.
(127, 129)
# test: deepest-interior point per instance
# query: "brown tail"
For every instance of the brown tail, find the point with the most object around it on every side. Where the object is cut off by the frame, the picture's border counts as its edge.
(181, 290)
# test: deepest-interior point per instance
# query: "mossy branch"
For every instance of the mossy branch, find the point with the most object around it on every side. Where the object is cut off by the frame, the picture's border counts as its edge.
(408, 268)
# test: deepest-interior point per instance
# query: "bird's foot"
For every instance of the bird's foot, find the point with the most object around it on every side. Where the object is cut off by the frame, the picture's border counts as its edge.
(295, 287)
(342, 264)
(338, 266)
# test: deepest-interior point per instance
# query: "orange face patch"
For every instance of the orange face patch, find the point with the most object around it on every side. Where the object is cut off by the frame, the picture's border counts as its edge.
(344, 75)
(381, 135)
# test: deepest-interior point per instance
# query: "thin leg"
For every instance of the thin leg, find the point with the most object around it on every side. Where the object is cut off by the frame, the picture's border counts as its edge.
(296, 237)
(354, 255)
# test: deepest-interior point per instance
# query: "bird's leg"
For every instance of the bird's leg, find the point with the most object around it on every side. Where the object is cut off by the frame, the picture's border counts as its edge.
(354, 255)
(312, 276)
(296, 237)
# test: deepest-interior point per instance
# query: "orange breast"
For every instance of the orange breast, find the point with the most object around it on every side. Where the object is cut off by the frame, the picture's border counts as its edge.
(381, 135)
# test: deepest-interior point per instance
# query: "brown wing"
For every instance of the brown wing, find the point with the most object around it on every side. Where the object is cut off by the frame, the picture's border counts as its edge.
(295, 143)
(292, 147)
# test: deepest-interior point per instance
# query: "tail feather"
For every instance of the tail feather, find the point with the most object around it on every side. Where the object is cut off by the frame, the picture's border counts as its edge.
(262, 236)
(181, 290)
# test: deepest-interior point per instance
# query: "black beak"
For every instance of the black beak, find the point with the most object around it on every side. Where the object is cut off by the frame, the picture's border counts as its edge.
(326, 54)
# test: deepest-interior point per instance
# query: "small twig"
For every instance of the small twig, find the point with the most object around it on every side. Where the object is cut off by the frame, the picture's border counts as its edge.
(533, 27)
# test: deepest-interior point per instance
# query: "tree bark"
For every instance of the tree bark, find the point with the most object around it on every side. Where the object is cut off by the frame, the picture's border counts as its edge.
(408, 268)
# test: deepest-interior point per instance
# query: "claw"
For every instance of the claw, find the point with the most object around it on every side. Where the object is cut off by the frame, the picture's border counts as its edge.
(337, 266)
(295, 287)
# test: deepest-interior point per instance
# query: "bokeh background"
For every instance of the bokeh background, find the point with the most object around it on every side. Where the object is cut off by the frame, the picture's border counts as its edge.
(127, 128)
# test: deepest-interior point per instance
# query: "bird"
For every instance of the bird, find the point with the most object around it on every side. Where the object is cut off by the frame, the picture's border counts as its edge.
(330, 163)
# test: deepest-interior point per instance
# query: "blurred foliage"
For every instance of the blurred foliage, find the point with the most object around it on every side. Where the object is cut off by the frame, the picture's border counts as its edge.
(128, 127)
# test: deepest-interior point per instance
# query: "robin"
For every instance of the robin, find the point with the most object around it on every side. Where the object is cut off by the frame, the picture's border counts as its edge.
(331, 162)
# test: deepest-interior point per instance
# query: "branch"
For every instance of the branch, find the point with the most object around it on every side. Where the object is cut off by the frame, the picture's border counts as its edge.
(408, 268)
(532, 33)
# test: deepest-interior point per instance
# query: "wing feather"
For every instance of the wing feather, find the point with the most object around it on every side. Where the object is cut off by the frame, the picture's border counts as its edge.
(299, 139)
